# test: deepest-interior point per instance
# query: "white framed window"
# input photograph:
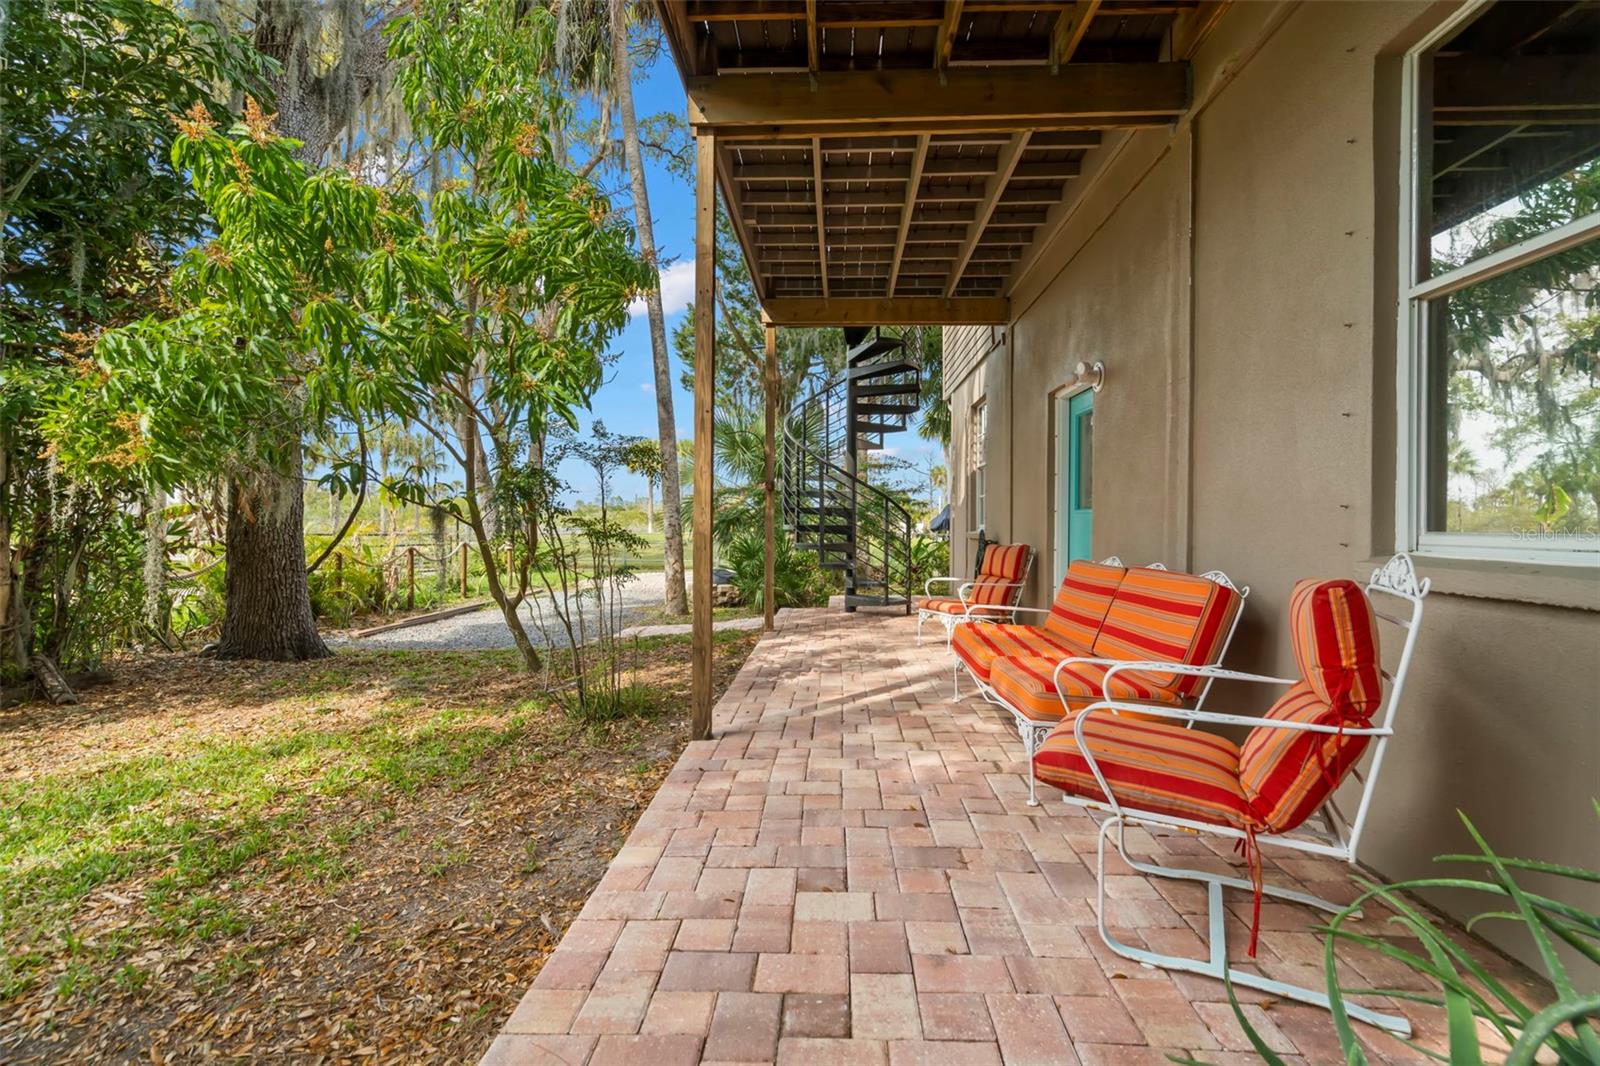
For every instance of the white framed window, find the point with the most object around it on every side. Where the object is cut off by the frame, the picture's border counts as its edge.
(978, 469)
(1499, 338)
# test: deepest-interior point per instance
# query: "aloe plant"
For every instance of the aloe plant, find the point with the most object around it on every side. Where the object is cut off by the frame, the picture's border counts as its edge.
(1467, 991)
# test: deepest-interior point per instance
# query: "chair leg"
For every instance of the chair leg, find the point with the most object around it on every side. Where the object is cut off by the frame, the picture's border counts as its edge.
(1216, 964)
(922, 616)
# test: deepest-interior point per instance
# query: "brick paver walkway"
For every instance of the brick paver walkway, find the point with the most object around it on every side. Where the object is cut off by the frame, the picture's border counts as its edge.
(849, 873)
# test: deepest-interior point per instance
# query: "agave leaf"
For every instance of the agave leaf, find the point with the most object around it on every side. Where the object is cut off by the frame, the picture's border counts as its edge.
(1577, 873)
(1542, 1027)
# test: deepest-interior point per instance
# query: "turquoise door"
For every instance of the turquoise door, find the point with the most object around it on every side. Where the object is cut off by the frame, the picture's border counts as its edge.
(1074, 510)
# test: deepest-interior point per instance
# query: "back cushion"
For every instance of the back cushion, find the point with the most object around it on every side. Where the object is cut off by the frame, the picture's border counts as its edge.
(1335, 638)
(988, 590)
(1004, 561)
(1286, 775)
(1082, 602)
(1170, 617)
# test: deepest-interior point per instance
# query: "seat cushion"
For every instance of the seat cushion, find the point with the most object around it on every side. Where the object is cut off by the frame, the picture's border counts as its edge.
(1028, 685)
(1150, 766)
(1168, 617)
(1287, 774)
(1082, 602)
(1335, 637)
(947, 605)
(1004, 561)
(979, 646)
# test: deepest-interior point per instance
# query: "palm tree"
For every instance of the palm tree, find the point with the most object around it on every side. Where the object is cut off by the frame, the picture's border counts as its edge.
(666, 424)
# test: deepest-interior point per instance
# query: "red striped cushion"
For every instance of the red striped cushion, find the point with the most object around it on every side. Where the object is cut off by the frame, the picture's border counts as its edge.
(1082, 602)
(1168, 617)
(979, 646)
(948, 605)
(1004, 561)
(1335, 636)
(1286, 775)
(988, 590)
(1155, 767)
(1028, 685)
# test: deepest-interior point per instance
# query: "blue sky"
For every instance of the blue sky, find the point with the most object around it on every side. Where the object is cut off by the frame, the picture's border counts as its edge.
(627, 402)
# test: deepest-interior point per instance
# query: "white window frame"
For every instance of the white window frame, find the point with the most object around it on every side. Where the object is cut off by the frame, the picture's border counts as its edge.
(1411, 533)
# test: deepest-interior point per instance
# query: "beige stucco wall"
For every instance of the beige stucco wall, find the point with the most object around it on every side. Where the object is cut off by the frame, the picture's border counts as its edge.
(1232, 274)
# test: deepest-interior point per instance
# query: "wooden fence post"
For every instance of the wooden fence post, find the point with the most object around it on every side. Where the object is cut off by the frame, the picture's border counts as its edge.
(411, 579)
(463, 571)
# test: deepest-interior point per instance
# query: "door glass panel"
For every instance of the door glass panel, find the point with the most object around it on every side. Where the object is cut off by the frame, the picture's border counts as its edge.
(1086, 460)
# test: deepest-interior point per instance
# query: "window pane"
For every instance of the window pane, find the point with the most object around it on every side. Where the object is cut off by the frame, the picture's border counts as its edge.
(1509, 144)
(1514, 403)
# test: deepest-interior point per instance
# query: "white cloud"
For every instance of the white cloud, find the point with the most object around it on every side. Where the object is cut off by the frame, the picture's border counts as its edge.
(646, 387)
(677, 289)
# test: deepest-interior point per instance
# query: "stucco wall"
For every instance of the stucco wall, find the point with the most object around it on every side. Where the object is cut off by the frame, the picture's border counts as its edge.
(1232, 275)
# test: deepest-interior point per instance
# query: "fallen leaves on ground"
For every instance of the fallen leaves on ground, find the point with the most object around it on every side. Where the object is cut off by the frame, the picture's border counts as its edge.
(380, 923)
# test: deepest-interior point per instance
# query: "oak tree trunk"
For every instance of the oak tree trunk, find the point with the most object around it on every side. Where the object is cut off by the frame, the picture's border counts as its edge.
(268, 601)
(666, 425)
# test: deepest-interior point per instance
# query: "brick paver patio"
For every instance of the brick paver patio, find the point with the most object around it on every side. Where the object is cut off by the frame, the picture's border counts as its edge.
(849, 873)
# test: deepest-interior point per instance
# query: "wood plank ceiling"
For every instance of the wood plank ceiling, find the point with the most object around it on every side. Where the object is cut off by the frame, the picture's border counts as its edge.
(910, 150)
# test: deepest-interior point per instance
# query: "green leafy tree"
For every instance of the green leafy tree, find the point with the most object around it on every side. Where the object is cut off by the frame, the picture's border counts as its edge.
(541, 270)
(93, 212)
(313, 305)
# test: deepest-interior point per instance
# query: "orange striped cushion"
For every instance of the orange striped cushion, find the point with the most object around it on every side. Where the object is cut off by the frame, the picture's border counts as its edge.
(979, 646)
(1155, 767)
(1004, 561)
(1287, 775)
(1168, 617)
(1082, 601)
(946, 605)
(1335, 637)
(1027, 684)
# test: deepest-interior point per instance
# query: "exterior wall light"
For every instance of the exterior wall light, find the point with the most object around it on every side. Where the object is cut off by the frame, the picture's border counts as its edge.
(1091, 374)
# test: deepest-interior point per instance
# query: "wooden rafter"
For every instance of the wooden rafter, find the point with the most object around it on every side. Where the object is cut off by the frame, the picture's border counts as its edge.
(1010, 156)
(822, 219)
(945, 42)
(733, 196)
(813, 46)
(888, 311)
(912, 185)
(1081, 96)
(1069, 29)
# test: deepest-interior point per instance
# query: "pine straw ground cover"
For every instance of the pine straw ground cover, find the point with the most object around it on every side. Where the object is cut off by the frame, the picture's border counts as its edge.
(365, 858)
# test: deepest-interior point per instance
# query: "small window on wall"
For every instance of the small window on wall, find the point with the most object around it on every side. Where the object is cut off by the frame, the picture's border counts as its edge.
(1500, 334)
(977, 466)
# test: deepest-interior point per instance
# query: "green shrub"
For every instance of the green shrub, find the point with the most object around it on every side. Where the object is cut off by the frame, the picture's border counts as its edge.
(797, 579)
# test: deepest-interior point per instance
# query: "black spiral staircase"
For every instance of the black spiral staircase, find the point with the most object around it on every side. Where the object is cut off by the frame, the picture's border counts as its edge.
(851, 525)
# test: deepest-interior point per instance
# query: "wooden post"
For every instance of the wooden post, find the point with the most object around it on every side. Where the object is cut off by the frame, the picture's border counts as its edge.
(768, 578)
(463, 571)
(411, 579)
(705, 379)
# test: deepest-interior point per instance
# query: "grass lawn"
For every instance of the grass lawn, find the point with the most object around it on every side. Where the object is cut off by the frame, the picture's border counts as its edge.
(363, 857)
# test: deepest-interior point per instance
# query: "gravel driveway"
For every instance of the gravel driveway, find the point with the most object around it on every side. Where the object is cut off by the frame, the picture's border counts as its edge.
(485, 628)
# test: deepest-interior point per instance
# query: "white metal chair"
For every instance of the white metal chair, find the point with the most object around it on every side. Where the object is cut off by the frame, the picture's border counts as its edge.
(981, 599)
(1339, 837)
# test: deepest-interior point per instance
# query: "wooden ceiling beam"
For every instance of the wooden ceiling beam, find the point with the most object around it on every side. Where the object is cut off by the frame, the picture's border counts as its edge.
(813, 45)
(732, 198)
(1068, 31)
(746, 10)
(888, 311)
(945, 41)
(822, 220)
(1080, 96)
(1010, 155)
(913, 183)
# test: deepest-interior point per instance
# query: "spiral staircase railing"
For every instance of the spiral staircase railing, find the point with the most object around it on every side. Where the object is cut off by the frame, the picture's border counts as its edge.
(852, 525)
